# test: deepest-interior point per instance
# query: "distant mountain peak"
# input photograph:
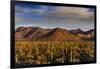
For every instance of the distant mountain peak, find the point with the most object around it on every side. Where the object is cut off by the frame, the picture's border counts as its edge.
(79, 29)
(57, 28)
(91, 31)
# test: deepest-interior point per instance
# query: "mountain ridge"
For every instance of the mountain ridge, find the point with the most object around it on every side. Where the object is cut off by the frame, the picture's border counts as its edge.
(55, 34)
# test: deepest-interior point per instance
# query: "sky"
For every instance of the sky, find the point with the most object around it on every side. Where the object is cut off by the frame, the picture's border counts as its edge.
(47, 16)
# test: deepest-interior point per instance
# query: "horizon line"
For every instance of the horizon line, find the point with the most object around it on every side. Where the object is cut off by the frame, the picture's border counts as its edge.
(53, 28)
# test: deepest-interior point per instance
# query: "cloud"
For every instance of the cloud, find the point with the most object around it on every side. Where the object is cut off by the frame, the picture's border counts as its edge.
(22, 20)
(72, 13)
(32, 9)
(53, 13)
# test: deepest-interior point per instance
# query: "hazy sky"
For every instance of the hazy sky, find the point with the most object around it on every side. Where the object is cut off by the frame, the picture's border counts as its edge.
(46, 16)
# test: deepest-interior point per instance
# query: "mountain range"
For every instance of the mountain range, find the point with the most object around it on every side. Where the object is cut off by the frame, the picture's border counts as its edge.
(55, 34)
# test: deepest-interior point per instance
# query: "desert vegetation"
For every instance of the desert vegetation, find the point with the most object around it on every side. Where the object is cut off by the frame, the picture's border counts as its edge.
(51, 52)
